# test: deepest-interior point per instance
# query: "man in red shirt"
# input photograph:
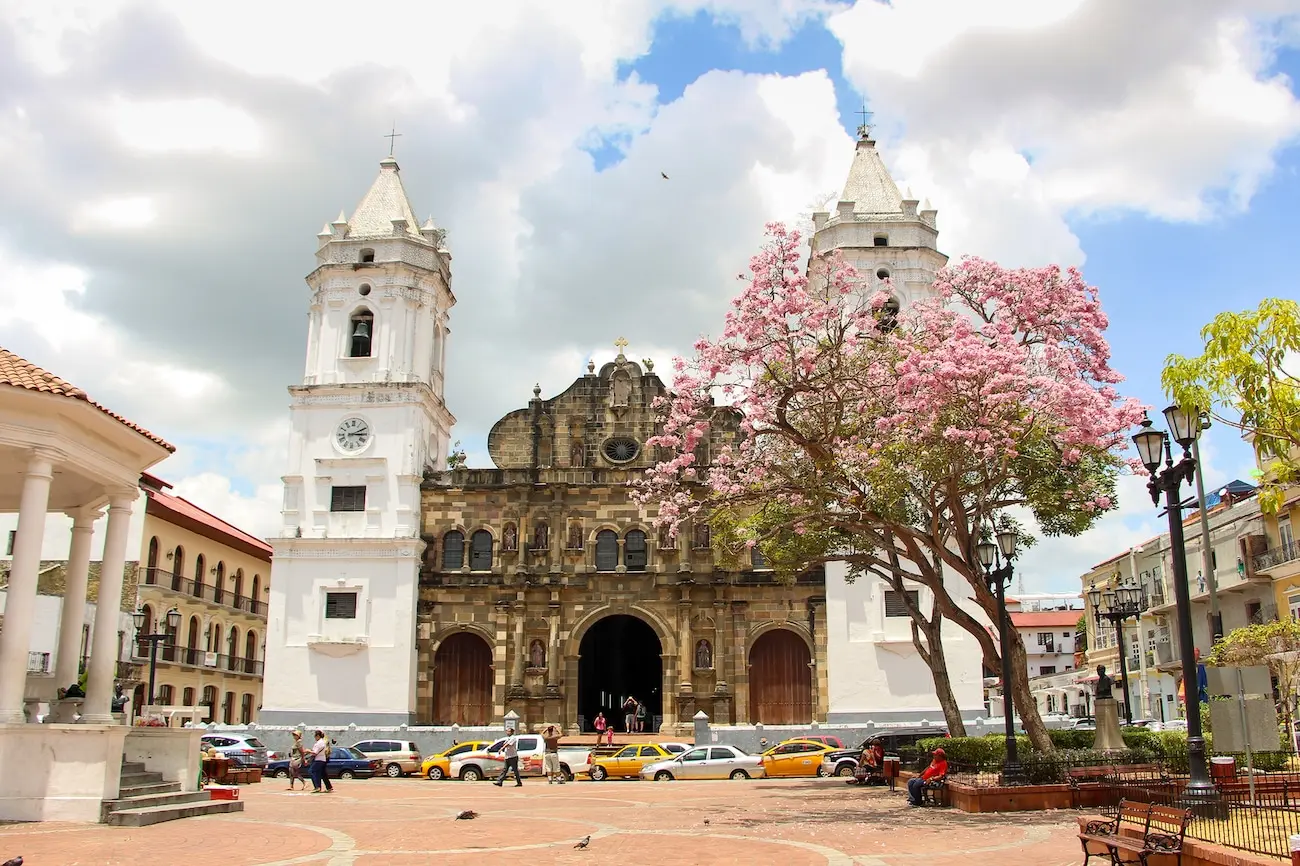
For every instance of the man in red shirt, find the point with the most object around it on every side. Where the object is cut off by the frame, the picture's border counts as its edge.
(937, 770)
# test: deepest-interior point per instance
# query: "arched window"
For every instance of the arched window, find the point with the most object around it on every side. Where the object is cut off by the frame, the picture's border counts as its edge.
(757, 560)
(228, 709)
(214, 637)
(361, 331)
(232, 648)
(453, 550)
(882, 273)
(256, 597)
(164, 696)
(250, 652)
(142, 647)
(246, 709)
(880, 241)
(151, 567)
(200, 564)
(239, 586)
(480, 551)
(606, 550)
(187, 696)
(367, 255)
(178, 567)
(219, 586)
(192, 643)
(634, 553)
(210, 701)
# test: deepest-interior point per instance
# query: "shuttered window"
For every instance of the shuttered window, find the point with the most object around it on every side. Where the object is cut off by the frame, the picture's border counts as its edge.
(895, 605)
(340, 605)
(348, 498)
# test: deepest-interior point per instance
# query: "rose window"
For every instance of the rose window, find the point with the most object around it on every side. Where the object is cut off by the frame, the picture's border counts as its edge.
(621, 449)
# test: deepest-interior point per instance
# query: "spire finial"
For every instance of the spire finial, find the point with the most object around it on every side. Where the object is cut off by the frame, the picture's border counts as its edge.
(864, 128)
(620, 344)
(392, 139)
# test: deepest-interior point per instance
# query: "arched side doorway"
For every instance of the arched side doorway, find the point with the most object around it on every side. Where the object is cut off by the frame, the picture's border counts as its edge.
(780, 679)
(620, 657)
(462, 681)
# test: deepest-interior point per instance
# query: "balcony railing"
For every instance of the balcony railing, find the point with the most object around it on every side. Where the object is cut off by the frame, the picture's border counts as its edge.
(38, 663)
(203, 591)
(198, 658)
(1276, 556)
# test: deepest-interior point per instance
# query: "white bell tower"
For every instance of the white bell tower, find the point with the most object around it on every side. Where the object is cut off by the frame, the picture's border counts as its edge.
(366, 422)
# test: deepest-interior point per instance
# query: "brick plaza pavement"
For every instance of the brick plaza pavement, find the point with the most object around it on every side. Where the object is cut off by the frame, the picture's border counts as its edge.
(405, 822)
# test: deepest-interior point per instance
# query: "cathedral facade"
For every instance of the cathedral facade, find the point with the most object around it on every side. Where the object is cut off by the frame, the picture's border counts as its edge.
(407, 592)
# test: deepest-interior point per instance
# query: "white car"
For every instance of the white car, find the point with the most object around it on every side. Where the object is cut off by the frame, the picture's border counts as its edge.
(473, 766)
(706, 762)
(1176, 725)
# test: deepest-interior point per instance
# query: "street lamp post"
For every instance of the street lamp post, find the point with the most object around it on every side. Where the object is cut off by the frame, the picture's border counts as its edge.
(1115, 606)
(1153, 447)
(173, 623)
(997, 574)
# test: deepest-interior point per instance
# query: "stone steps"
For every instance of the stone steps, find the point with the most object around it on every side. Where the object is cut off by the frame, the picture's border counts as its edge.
(144, 798)
(168, 798)
(146, 815)
(125, 792)
(131, 780)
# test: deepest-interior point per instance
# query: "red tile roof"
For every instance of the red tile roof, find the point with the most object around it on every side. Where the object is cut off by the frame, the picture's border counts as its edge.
(182, 512)
(18, 372)
(1045, 618)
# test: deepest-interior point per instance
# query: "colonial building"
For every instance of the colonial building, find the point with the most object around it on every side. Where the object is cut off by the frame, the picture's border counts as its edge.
(216, 577)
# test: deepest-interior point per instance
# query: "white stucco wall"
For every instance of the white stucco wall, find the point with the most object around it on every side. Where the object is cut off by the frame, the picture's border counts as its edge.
(875, 672)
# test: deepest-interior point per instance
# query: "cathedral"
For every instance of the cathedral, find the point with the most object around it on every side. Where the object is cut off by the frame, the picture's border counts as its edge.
(407, 592)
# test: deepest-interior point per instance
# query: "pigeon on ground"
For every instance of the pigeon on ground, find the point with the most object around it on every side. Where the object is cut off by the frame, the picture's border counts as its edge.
(467, 815)
(583, 842)
(664, 176)
(17, 861)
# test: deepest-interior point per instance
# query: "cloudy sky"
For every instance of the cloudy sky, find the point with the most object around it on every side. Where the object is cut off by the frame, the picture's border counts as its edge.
(168, 164)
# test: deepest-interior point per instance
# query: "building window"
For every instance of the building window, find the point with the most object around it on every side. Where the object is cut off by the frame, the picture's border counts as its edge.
(634, 550)
(880, 241)
(453, 550)
(882, 273)
(246, 709)
(1214, 560)
(896, 606)
(480, 551)
(757, 560)
(228, 709)
(351, 498)
(367, 256)
(164, 696)
(13, 533)
(340, 605)
(1046, 669)
(200, 565)
(187, 697)
(606, 550)
(361, 332)
(1046, 639)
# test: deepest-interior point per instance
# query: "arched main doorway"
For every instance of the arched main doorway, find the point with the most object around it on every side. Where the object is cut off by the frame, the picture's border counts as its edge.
(780, 679)
(462, 681)
(619, 657)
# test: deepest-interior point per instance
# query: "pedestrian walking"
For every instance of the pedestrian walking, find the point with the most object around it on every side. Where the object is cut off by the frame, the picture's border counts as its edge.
(641, 714)
(551, 755)
(510, 751)
(609, 736)
(320, 759)
(296, 761)
(629, 714)
(600, 724)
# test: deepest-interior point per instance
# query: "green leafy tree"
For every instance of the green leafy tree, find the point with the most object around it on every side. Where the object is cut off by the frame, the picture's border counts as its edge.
(1248, 377)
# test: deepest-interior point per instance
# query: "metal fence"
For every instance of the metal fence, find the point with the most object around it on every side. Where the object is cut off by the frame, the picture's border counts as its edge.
(204, 591)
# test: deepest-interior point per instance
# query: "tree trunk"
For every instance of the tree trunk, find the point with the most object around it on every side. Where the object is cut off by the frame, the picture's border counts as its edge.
(1023, 698)
(938, 664)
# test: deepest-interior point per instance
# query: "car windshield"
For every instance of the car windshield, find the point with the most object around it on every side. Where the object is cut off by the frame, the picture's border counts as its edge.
(254, 742)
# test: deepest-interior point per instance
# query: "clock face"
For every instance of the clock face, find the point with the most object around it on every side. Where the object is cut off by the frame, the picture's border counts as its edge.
(353, 434)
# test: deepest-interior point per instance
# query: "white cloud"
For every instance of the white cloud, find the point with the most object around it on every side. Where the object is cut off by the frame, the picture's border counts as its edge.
(132, 212)
(186, 125)
(258, 514)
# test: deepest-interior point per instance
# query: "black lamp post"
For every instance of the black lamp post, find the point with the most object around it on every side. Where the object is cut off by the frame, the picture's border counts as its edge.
(997, 574)
(1153, 446)
(173, 623)
(1117, 605)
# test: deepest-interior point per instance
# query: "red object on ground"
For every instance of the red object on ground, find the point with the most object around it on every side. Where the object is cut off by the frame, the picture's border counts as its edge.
(223, 792)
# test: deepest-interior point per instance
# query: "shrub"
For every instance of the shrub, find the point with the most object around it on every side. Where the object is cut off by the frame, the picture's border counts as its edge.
(1072, 739)
(1041, 769)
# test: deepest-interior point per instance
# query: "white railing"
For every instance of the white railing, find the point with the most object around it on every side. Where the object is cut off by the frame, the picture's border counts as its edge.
(38, 663)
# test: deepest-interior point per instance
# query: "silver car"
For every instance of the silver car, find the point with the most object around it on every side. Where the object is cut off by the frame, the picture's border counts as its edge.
(706, 762)
(241, 749)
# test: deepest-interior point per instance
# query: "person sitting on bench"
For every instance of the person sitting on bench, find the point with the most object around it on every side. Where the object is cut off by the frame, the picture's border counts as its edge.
(937, 770)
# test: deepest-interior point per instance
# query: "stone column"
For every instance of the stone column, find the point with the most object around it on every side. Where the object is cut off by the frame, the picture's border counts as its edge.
(517, 668)
(20, 604)
(720, 616)
(553, 650)
(73, 614)
(686, 650)
(103, 654)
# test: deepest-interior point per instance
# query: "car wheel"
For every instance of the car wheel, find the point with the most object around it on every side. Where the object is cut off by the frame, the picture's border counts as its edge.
(822, 772)
(739, 774)
(568, 774)
(393, 771)
(436, 774)
(663, 776)
(471, 774)
(598, 774)
(845, 769)
(282, 774)
(347, 774)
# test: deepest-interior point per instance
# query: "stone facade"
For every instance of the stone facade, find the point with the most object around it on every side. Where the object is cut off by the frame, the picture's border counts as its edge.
(570, 548)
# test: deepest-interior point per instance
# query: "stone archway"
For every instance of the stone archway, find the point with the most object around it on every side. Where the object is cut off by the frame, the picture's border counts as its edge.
(620, 656)
(780, 679)
(462, 680)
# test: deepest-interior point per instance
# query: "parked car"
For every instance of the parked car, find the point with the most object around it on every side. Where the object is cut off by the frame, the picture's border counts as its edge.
(1085, 725)
(400, 757)
(833, 742)
(479, 764)
(842, 762)
(706, 762)
(627, 762)
(344, 763)
(1176, 725)
(241, 749)
(439, 766)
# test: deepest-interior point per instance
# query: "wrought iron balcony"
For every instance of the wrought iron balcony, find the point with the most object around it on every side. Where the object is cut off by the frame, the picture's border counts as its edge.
(1276, 556)
(183, 586)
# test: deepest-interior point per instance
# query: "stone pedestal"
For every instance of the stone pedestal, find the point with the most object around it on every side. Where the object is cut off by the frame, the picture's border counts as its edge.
(1109, 738)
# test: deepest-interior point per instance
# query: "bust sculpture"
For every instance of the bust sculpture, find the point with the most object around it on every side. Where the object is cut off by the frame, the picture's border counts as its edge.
(1103, 683)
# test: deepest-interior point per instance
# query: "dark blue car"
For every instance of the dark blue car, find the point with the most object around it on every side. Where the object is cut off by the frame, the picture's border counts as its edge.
(344, 763)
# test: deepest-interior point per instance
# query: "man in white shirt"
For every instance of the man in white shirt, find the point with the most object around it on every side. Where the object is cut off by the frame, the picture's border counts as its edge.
(510, 751)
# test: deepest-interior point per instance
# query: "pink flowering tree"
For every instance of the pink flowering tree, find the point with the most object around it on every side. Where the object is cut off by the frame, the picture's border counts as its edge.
(842, 428)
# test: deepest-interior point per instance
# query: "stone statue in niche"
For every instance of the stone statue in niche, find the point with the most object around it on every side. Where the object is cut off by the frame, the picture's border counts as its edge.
(577, 455)
(510, 538)
(537, 654)
(575, 536)
(703, 654)
(666, 540)
(541, 537)
(703, 538)
(620, 389)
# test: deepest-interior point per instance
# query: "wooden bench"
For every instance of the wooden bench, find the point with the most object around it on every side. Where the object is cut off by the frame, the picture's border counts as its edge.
(1153, 829)
(931, 791)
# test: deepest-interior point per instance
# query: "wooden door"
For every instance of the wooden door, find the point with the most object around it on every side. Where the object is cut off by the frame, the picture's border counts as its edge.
(780, 680)
(462, 681)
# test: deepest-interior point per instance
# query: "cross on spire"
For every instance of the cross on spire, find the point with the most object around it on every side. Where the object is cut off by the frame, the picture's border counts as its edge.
(392, 139)
(621, 344)
(864, 128)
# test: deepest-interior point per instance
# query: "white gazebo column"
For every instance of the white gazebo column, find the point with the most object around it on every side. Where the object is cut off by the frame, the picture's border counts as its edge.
(97, 708)
(73, 614)
(20, 604)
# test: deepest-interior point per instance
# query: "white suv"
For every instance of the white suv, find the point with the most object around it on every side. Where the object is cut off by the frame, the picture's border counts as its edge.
(400, 757)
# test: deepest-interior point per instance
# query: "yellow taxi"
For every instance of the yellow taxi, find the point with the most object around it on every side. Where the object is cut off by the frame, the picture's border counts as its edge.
(435, 767)
(794, 758)
(627, 762)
